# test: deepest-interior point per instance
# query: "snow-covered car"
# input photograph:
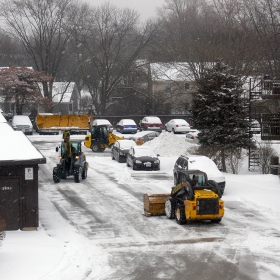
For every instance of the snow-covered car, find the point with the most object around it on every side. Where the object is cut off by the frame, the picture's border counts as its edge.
(202, 163)
(151, 123)
(177, 126)
(97, 122)
(22, 123)
(144, 136)
(191, 137)
(142, 158)
(126, 126)
(120, 149)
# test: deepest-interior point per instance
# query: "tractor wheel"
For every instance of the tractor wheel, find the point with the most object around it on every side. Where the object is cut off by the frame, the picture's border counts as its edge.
(170, 208)
(180, 216)
(56, 175)
(77, 174)
(96, 148)
(175, 179)
(84, 173)
(216, 187)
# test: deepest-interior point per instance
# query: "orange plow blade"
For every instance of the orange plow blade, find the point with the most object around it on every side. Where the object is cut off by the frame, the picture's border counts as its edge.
(154, 204)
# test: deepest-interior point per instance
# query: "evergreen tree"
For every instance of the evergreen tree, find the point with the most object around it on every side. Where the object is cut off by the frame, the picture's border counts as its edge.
(219, 113)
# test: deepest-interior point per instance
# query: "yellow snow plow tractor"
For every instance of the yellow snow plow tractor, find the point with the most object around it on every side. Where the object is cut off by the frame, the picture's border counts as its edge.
(100, 138)
(194, 198)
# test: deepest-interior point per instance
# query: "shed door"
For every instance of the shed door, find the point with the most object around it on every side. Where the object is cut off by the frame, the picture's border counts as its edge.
(9, 202)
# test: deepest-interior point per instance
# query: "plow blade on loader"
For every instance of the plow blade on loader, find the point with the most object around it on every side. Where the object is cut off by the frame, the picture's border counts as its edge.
(154, 204)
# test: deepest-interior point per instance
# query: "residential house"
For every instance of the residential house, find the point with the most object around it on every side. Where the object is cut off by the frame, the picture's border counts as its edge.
(65, 98)
(175, 83)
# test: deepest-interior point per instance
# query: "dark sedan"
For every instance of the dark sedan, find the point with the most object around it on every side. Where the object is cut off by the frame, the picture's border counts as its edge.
(120, 149)
(142, 158)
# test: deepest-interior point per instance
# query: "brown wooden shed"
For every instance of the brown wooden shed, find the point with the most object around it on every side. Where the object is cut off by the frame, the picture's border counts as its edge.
(19, 161)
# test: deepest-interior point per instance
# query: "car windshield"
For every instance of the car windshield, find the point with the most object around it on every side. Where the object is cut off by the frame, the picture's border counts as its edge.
(139, 152)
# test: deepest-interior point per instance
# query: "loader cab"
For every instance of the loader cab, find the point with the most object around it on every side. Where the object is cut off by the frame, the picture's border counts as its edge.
(75, 147)
(194, 177)
(99, 133)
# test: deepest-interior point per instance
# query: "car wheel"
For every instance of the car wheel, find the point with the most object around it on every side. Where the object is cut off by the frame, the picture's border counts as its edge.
(170, 208)
(180, 216)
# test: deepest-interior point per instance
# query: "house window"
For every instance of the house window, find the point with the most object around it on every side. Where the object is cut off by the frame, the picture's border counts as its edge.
(168, 87)
(187, 86)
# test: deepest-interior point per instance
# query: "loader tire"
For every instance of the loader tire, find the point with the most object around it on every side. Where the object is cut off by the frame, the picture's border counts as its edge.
(216, 187)
(77, 174)
(175, 177)
(96, 148)
(84, 173)
(170, 206)
(56, 175)
(180, 216)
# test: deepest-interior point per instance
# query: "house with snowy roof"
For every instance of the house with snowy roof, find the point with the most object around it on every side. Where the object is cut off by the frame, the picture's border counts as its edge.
(173, 81)
(65, 98)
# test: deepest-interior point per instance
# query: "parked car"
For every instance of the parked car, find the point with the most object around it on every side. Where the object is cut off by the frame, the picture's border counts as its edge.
(142, 158)
(103, 122)
(22, 123)
(177, 126)
(144, 136)
(126, 126)
(202, 163)
(151, 123)
(191, 137)
(120, 149)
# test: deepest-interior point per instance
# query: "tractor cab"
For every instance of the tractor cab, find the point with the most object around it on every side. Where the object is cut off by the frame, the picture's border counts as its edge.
(99, 133)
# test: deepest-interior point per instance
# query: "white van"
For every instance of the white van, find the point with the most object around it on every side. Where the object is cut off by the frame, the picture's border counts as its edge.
(22, 123)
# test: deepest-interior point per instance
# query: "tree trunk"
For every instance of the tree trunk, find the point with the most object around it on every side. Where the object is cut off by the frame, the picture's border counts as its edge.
(223, 160)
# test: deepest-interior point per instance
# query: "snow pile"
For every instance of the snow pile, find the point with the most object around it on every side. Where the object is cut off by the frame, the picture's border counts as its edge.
(124, 177)
(168, 144)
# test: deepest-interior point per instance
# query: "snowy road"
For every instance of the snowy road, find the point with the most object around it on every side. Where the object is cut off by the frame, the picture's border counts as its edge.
(106, 212)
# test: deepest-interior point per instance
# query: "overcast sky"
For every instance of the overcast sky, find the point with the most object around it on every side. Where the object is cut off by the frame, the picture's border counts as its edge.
(146, 8)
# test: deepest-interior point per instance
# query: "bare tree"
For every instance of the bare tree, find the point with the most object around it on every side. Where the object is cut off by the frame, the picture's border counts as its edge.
(110, 42)
(42, 28)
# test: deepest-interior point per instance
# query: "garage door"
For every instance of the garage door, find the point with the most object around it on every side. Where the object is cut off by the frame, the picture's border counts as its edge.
(9, 202)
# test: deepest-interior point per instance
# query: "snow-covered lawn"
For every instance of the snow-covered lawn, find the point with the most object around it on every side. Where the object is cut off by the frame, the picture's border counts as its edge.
(62, 248)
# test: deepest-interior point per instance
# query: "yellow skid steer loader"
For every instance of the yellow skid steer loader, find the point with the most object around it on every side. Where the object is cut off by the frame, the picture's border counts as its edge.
(194, 198)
